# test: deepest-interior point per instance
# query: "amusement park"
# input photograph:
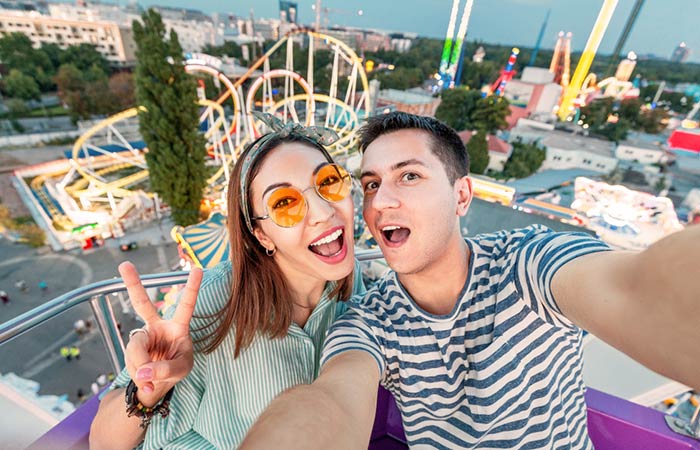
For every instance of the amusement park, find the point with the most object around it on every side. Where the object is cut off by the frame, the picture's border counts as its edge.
(561, 139)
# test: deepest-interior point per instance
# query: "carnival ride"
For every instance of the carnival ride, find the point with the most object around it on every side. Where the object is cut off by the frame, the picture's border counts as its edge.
(450, 69)
(561, 59)
(498, 87)
(566, 107)
(105, 181)
(624, 218)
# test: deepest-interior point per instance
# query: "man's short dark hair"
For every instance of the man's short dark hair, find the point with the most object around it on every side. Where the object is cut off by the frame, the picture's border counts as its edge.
(447, 145)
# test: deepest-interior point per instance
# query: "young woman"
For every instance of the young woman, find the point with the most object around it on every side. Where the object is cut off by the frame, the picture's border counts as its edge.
(251, 327)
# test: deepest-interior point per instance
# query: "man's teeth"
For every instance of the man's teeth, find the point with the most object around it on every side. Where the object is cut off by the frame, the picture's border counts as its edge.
(330, 238)
(391, 228)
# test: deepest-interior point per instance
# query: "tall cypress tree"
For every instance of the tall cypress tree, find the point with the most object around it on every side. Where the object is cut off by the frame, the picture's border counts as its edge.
(169, 126)
(478, 149)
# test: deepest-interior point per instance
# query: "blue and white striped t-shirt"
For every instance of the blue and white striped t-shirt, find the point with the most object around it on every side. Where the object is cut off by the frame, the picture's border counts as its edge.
(502, 370)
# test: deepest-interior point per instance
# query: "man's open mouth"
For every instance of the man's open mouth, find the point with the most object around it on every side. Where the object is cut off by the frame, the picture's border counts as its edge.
(395, 234)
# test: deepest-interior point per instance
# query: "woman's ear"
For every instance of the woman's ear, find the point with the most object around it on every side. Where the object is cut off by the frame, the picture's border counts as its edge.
(464, 193)
(264, 240)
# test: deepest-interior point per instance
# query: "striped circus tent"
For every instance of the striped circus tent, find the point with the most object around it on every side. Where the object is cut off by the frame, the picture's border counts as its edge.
(206, 242)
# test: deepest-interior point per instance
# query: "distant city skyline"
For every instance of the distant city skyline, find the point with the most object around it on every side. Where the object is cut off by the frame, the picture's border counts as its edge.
(660, 27)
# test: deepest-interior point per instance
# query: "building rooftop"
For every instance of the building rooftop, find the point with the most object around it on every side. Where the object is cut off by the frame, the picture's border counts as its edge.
(406, 97)
(495, 143)
(576, 142)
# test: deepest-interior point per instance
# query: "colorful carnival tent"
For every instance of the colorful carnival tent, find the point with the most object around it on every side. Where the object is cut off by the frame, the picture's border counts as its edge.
(206, 243)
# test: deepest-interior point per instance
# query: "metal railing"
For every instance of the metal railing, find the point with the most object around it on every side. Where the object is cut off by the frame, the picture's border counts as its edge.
(95, 294)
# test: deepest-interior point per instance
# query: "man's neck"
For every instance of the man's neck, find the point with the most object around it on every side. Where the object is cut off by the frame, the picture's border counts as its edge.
(436, 288)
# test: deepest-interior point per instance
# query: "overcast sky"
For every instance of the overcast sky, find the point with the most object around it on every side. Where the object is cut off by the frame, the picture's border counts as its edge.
(661, 25)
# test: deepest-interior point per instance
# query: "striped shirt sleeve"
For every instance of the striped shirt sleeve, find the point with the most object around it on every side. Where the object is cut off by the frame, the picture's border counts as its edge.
(541, 254)
(351, 332)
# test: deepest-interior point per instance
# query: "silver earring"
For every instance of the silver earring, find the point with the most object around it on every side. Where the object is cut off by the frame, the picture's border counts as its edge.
(269, 252)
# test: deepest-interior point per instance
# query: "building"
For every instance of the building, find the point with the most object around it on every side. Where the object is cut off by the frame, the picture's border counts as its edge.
(288, 11)
(681, 53)
(410, 101)
(568, 151)
(401, 42)
(640, 151)
(535, 93)
(113, 41)
(499, 150)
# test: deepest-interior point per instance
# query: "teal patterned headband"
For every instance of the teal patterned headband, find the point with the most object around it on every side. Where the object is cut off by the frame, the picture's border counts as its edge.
(318, 135)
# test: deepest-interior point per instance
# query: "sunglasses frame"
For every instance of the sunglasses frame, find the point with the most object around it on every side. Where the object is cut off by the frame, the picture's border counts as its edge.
(314, 186)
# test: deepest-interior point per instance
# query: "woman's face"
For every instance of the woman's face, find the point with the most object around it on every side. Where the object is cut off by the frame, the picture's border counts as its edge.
(320, 247)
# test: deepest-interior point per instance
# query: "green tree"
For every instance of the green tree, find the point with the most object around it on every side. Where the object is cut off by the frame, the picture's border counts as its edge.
(478, 149)
(457, 107)
(71, 90)
(228, 48)
(85, 57)
(614, 131)
(525, 160)
(16, 52)
(122, 91)
(169, 126)
(19, 85)
(490, 114)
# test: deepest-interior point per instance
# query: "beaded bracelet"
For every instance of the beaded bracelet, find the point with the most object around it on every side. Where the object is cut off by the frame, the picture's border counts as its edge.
(135, 408)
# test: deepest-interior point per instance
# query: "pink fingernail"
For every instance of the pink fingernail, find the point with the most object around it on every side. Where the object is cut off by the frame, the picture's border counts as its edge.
(144, 374)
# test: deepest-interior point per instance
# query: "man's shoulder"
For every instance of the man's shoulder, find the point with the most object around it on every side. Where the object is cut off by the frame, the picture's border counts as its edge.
(382, 295)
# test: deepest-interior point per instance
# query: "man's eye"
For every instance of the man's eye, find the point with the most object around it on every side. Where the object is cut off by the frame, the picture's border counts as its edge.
(371, 186)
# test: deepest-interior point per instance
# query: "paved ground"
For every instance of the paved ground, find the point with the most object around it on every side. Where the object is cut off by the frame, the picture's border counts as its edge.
(35, 355)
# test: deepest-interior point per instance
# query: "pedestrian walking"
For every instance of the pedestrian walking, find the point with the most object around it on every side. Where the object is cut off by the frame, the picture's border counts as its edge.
(102, 379)
(80, 327)
(75, 352)
(4, 297)
(81, 395)
(21, 285)
(94, 388)
(43, 285)
(65, 353)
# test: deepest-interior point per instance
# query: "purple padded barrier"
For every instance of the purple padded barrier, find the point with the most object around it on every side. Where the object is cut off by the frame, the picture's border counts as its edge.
(387, 433)
(614, 424)
(73, 431)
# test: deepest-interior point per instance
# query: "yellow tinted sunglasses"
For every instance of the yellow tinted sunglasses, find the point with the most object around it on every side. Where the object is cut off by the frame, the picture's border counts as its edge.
(287, 207)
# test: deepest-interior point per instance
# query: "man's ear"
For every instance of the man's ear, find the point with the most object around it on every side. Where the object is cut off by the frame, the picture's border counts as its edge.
(464, 193)
(264, 240)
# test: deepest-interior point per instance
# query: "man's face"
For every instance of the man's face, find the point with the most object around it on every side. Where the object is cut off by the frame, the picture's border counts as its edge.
(410, 206)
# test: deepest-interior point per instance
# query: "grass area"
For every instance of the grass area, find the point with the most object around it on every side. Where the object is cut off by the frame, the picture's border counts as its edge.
(53, 111)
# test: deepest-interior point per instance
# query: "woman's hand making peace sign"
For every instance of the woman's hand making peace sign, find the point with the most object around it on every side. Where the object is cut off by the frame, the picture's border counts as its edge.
(160, 357)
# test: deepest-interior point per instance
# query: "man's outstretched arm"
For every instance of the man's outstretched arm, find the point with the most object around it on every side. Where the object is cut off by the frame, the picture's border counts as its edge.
(335, 411)
(645, 304)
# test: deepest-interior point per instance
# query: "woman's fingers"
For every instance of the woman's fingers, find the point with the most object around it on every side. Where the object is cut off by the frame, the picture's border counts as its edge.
(137, 294)
(185, 308)
(167, 371)
(137, 352)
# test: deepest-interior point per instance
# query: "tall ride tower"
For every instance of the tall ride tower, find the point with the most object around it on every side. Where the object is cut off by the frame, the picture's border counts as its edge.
(452, 53)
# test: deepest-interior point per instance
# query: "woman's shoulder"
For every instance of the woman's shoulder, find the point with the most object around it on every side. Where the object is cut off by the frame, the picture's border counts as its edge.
(215, 289)
(214, 292)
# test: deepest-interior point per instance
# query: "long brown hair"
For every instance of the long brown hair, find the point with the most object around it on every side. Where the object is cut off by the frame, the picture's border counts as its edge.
(260, 300)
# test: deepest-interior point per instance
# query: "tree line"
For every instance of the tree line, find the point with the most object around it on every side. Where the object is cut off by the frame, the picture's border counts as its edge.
(80, 75)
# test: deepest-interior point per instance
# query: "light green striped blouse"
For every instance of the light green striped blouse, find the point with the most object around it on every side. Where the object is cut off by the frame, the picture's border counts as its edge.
(221, 398)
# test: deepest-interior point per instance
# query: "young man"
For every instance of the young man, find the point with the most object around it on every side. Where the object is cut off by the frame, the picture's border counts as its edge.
(479, 340)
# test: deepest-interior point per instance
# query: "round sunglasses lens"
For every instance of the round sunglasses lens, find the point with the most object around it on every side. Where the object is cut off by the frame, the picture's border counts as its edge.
(333, 182)
(286, 207)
